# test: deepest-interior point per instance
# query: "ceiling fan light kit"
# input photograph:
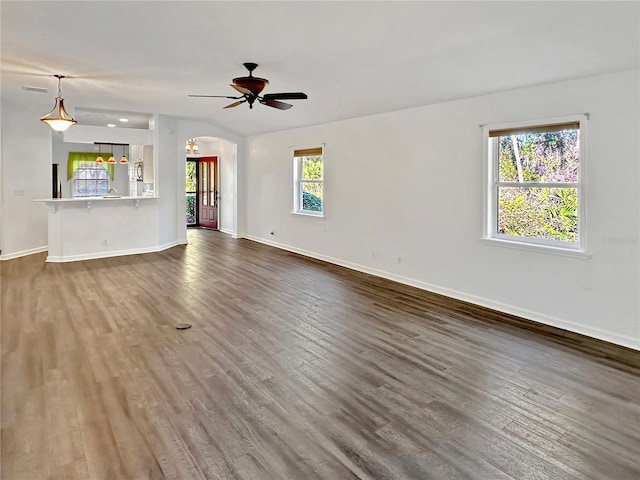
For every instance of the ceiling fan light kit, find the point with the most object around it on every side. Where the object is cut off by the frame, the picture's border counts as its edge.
(251, 87)
(254, 84)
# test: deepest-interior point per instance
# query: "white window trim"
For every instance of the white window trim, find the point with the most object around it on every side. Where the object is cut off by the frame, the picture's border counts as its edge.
(74, 182)
(490, 211)
(304, 213)
(297, 182)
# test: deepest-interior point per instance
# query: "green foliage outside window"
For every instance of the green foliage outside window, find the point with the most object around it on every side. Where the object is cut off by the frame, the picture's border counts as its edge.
(311, 202)
(312, 192)
(548, 213)
(191, 208)
(312, 168)
(192, 182)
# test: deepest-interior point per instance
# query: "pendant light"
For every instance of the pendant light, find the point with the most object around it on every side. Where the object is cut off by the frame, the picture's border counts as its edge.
(99, 159)
(111, 159)
(191, 147)
(123, 159)
(58, 118)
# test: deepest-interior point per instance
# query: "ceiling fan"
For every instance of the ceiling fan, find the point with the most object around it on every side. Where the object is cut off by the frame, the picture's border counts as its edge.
(250, 87)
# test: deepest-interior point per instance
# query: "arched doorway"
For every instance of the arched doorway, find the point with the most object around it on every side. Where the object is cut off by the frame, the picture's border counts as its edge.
(210, 184)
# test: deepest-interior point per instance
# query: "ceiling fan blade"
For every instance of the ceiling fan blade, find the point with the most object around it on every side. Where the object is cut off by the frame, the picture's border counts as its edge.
(244, 91)
(285, 96)
(234, 104)
(277, 104)
(215, 96)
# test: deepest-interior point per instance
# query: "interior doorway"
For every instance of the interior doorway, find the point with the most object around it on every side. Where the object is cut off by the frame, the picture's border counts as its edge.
(202, 192)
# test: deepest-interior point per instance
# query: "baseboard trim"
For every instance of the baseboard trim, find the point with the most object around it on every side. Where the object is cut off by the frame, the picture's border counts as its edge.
(114, 253)
(622, 340)
(23, 253)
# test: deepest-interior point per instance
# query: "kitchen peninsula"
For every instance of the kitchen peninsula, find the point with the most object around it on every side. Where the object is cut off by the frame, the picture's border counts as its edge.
(97, 227)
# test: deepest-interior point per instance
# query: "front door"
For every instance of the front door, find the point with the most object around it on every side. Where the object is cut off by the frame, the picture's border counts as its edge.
(208, 192)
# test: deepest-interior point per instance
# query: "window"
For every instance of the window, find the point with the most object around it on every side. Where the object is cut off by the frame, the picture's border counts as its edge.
(90, 180)
(535, 192)
(308, 181)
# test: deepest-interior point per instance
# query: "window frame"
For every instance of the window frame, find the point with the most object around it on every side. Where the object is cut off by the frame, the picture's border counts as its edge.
(492, 183)
(299, 182)
(84, 165)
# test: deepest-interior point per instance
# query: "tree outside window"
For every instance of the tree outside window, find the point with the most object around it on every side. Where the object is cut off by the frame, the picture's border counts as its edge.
(535, 187)
(308, 165)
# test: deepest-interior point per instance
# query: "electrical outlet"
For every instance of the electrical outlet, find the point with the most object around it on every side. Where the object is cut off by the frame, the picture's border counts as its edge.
(399, 260)
(104, 242)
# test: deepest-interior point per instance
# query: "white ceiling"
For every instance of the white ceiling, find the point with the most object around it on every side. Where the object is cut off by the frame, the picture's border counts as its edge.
(352, 58)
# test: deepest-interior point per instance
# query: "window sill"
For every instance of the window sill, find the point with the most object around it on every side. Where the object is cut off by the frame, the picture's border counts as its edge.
(311, 215)
(546, 249)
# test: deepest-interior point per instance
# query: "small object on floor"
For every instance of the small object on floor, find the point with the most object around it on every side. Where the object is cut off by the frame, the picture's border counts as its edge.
(183, 325)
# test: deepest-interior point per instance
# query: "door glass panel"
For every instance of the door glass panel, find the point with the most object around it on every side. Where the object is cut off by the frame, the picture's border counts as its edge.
(203, 177)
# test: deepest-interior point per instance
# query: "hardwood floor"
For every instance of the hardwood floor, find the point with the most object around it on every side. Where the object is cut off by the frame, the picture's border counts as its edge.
(294, 369)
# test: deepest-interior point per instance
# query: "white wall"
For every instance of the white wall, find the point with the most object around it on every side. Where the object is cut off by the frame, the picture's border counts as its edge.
(168, 180)
(409, 184)
(228, 187)
(26, 175)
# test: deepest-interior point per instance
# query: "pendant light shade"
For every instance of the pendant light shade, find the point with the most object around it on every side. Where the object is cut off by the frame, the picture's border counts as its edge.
(99, 159)
(58, 118)
(123, 159)
(111, 159)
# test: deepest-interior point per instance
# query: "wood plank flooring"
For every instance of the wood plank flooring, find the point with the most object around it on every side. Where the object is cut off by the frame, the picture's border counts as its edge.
(294, 369)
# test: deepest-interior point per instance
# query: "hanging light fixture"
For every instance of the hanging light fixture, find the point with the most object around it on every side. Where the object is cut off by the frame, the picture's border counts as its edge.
(191, 147)
(111, 159)
(99, 159)
(123, 159)
(58, 118)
